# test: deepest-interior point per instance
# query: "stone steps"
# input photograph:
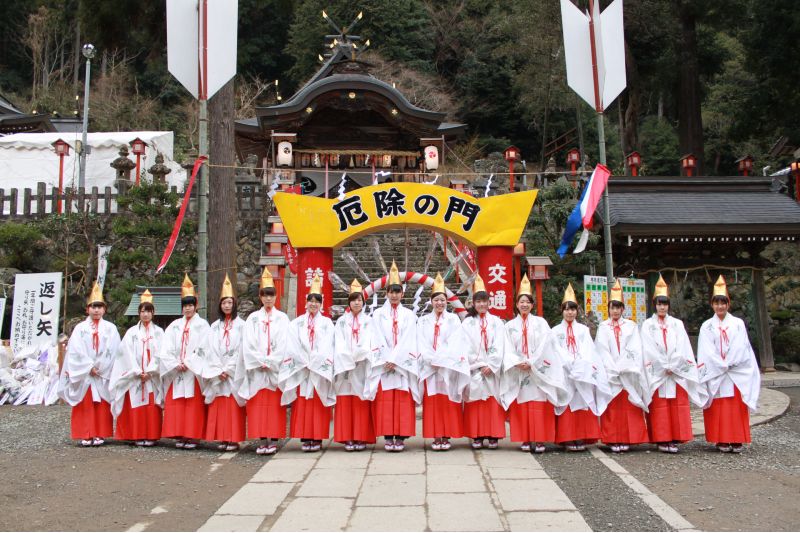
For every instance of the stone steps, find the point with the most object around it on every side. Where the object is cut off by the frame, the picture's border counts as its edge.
(393, 247)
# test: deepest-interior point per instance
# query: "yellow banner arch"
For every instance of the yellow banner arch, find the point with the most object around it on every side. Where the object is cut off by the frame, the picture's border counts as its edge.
(313, 222)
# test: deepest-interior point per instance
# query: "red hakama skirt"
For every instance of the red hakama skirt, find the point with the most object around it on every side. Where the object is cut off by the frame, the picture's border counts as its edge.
(727, 420)
(670, 419)
(140, 423)
(533, 421)
(577, 425)
(184, 418)
(266, 417)
(622, 422)
(91, 419)
(310, 419)
(441, 417)
(226, 420)
(352, 420)
(484, 419)
(394, 413)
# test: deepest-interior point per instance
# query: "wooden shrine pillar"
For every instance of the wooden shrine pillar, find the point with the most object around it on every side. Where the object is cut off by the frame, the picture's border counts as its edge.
(766, 357)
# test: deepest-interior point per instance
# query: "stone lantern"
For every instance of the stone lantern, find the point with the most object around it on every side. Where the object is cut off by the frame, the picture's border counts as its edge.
(123, 166)
(159, 171)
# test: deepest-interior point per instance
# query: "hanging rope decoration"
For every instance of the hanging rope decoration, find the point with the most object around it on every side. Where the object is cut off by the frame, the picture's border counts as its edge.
(423, 279)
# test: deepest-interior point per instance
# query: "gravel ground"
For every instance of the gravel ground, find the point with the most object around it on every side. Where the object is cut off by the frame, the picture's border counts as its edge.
(755, 491)
(49, 483)
(605, 502)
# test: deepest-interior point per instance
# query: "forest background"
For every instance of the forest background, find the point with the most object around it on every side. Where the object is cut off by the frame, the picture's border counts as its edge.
(716, 78)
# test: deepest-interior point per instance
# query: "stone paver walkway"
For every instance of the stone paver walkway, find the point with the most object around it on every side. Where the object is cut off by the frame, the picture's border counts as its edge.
(418, 489)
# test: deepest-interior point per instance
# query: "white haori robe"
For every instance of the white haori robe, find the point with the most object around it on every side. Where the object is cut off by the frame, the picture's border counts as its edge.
(480, 352)
(545, 381)
(585, 375)
(224, 353)
(309, 361)
(442, 370)
(137, 354)
(672, 364)
(624, 364)
(91, 345)
(725, 358)
(187, 344)
(400, 349)
(264, 342)
(355, 343)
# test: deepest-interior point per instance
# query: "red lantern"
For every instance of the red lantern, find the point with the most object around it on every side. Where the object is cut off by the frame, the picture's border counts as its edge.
(138, 147)
(573, 160)
(745, 165)
(634, 162)
(511, 154)
(688, 164)
(795, 168)
(62, 150)
(538, 272)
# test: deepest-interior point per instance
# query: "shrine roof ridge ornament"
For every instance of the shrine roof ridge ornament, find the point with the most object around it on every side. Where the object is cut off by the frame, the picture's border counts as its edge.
(312, 222)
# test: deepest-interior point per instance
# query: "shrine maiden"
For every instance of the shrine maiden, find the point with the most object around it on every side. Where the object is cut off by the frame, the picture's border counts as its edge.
(533, 381)
(264, 341)
(394, 377)
(672, 375)
(84, 381)
(588, 392)
(225, 422)
(306, 374)
(483, 340)
(444, 373)
(181, 361)
(619, 345)
(729, 372)
(135, 385)
(354, 340)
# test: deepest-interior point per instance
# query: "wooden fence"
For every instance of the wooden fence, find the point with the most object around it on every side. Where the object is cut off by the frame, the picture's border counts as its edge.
(251, 199)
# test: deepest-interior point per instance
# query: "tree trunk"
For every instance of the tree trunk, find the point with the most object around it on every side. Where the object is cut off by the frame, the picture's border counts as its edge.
(222, 213)
(690, 121)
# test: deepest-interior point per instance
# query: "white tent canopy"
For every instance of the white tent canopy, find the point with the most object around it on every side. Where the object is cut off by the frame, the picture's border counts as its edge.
(29, 158)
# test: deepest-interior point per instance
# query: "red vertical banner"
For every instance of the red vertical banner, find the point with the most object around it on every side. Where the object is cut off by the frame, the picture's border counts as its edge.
(312, 261)
(495, 265)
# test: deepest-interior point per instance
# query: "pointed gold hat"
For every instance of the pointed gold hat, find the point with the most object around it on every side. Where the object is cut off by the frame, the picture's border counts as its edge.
(146, 297)
(394, 276)
(227, 289)
(266, 280)
(438, 285)
(569, 295)
(720, 288)
(478, 285)
(187, 287)
(96, 296)
(616, 292)
(316, 285)
(355, 287)
(661, 288)
(524, 286)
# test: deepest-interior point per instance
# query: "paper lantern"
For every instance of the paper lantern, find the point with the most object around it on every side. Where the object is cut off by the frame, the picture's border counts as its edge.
(284, 154)
(431, 158)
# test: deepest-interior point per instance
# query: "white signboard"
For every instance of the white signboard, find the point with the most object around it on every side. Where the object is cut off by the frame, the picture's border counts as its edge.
(102, 264)
(36, 305)
(595, 294)
(2, 313)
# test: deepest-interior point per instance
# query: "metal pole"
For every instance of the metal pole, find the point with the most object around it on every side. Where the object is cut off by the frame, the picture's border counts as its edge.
(202, 226)
(82, 158)
(606, 212)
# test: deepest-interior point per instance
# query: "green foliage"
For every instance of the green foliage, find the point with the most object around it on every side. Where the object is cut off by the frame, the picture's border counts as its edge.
(20, 245)
(786, 344)
(659, 148)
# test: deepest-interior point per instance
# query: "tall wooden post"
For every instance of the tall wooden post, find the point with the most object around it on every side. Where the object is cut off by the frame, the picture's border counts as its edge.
(760, 312)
